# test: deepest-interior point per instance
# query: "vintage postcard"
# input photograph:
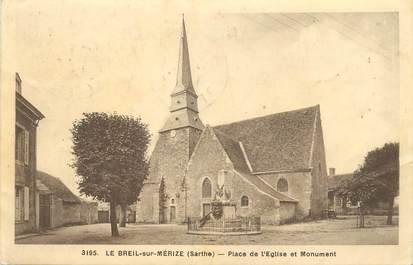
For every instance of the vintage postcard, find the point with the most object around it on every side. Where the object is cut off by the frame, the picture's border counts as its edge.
(206, 133)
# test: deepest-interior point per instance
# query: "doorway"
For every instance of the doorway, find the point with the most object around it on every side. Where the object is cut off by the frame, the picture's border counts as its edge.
(172, 214)
(44, 211)
(103, 217)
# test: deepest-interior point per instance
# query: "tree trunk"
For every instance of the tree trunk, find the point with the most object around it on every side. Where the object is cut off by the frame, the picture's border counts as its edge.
(390, 211)
(361, 214)
(122, 219)
(113, 223)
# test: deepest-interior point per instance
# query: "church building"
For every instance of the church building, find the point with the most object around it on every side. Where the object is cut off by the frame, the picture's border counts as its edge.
(273, 166)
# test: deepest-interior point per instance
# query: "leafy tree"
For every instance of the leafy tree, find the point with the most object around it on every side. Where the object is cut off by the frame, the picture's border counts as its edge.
(110, 158)
(376, 180)
(163, 198)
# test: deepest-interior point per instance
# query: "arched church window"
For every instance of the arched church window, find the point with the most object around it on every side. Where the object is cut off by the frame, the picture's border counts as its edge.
(206, 188)
(172, 201)
(244, 201)
(282, 185)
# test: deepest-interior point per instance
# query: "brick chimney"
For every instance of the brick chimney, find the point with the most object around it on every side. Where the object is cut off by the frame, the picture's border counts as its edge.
(331, 171)
(18, 84)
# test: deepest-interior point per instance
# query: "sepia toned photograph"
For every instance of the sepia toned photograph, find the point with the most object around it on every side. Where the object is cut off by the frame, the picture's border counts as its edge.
(225, 128)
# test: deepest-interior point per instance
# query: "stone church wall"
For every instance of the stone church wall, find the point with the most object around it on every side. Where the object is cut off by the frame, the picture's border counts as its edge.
(299, 187)
(319, 199)
(287, 212)
(147, 209)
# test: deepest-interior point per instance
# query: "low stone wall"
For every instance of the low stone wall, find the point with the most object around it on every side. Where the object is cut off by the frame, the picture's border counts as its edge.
(63, 213)
(71, 213)
(56, 210)
(287, 212)
(88, 212)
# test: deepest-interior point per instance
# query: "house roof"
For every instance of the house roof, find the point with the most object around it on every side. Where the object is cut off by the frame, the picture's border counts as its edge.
(56, 186)
(335, 181)
(28, 107)
(276, 142)
(42, 188)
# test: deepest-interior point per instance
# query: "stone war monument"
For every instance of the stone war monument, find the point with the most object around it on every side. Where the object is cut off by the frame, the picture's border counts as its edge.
(222, 218)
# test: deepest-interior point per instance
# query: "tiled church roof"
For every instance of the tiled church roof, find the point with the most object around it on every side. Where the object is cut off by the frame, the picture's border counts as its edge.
(233, 150)
(276, 142)
(56, 186)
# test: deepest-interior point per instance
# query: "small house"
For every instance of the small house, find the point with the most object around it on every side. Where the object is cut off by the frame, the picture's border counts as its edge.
(58, 206)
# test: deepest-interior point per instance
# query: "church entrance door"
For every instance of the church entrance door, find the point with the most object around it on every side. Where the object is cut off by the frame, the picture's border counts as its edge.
(172, 214)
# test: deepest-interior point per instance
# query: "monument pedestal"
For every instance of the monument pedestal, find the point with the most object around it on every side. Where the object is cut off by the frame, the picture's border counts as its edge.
(228, 210)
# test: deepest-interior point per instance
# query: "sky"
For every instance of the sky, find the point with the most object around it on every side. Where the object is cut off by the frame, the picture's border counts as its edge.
(74, 59)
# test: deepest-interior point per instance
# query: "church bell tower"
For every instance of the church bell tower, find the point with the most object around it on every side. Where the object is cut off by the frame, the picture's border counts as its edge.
(173, 149)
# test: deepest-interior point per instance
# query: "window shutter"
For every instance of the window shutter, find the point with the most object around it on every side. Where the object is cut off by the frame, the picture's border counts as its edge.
(17, 202)
(26, 147)
(26, 203)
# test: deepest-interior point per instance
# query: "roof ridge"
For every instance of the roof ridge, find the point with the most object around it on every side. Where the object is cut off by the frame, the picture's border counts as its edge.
(267, 115)
(343, 174)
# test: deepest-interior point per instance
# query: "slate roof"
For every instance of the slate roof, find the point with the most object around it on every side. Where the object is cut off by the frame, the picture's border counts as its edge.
(280, 141)
(233, 150)
(335, 181)
(235, 154)
(56, 186)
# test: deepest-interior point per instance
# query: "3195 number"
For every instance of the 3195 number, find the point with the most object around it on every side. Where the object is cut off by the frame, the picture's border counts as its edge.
(89, 252)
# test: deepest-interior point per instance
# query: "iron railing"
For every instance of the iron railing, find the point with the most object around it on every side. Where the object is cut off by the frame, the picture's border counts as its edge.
(234, 225)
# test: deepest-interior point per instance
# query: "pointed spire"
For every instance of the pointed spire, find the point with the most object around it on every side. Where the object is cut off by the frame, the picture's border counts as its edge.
(184, 103)
(184, 78)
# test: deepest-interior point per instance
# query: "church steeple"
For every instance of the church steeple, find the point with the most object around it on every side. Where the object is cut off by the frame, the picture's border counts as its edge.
(184, 78)
(184, 100)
